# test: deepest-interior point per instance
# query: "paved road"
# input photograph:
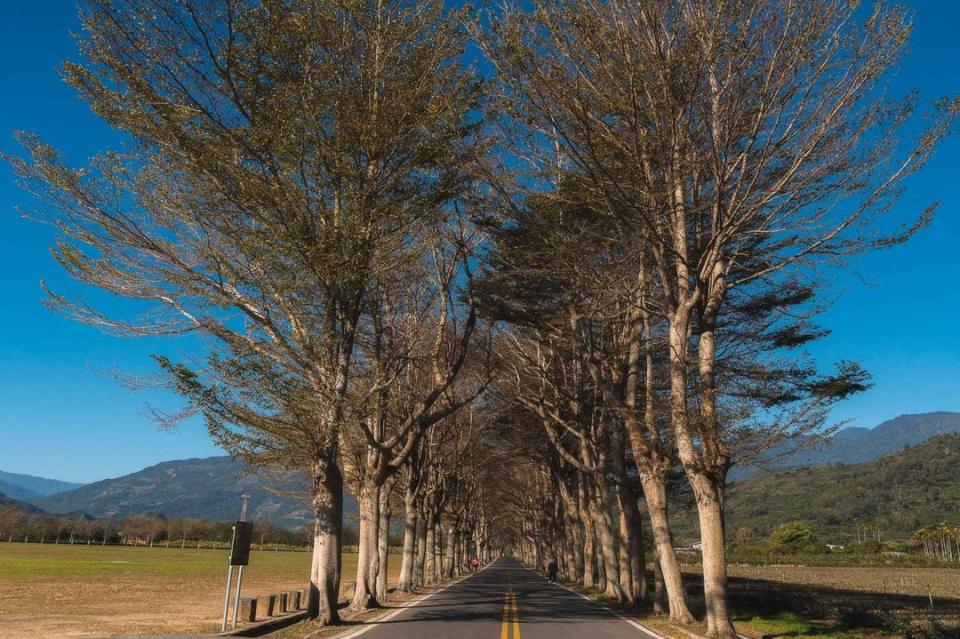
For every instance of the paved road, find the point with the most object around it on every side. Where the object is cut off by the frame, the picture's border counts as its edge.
(503, 601)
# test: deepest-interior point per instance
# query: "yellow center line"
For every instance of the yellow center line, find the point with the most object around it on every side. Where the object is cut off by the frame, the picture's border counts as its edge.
(511, 613)
(505, 626)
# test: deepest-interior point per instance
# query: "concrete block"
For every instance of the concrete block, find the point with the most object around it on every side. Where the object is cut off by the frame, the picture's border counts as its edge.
(248, 609)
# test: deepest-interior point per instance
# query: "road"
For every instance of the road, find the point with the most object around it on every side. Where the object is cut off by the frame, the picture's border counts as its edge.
(502, 601)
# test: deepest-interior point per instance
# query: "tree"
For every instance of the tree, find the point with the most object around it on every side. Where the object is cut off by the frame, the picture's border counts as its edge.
(794, 533)
(427, 367)
(740, 164)
(587, 311)
(281, 157)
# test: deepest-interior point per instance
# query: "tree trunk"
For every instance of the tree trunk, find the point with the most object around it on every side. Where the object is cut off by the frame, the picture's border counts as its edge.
(383, 544)
(419, 567)
(574, 529)
(655, 495)
(589, 559)
(407, 582)
(710, 513)
(429, 575)
(659, 591)
(451, 554)
(437, 549)
(633, 574)
(369, 505)
(328, 524)
(603, 522)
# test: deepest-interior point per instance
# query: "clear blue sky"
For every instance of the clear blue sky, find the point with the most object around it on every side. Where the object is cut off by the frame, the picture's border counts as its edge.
(62, 416)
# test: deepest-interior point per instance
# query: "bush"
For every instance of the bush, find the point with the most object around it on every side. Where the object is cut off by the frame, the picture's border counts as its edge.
(794, 533)
(871, 547)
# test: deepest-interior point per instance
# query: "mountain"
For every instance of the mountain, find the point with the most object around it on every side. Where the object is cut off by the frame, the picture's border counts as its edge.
(900, 493)
(857, 445)
(7, 500)
(203, 488)
(30, 487)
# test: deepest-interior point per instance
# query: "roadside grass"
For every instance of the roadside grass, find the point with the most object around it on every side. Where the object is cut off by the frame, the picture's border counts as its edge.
(793, 626)
(51, 591)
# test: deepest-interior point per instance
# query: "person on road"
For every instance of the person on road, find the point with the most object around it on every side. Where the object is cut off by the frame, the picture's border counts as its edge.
(552, 571)
(474, 563)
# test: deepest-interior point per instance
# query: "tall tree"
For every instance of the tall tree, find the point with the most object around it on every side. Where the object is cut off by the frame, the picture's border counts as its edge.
(742, 142)
(278, 157)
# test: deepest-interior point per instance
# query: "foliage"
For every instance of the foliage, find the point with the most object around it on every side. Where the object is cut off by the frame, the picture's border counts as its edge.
(794, 533)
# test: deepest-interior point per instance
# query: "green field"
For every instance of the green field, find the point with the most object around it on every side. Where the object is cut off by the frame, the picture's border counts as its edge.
(51, 591)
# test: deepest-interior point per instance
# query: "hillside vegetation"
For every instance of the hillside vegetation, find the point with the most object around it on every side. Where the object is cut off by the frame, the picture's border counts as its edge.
(897, 494)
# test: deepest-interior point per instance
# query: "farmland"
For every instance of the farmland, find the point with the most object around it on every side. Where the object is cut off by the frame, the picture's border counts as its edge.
(79, 591)
(57, 591)
(903, 601)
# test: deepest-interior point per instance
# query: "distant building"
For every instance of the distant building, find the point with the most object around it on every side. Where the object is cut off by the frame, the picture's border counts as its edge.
(692, 548)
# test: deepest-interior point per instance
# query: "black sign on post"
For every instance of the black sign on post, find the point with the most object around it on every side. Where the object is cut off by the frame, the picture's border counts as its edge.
(240, 548)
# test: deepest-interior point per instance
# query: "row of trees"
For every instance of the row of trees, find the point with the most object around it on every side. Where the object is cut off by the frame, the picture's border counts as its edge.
(517, 302)
(940, 540)
(147, 530)
(693, 167)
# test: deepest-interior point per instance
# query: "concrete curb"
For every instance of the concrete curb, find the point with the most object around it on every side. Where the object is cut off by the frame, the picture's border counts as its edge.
(267, 626)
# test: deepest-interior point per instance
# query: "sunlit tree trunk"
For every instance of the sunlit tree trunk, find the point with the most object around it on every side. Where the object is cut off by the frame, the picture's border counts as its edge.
(322, 602)
(383, 544)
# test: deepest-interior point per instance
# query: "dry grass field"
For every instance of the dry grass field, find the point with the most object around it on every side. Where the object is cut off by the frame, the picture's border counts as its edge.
(903, 601)
(60, 591)
(938, 582)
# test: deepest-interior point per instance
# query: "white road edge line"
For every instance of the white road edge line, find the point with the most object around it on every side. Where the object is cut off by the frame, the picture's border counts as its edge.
(373, 623)
(632, 622)
(636, 624)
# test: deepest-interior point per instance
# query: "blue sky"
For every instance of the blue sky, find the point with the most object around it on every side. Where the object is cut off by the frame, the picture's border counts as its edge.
(63, 416)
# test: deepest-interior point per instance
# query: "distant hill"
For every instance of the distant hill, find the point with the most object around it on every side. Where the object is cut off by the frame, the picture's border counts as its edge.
(20, 486)
(203, 488)
(858, 445)
(7, 500)
(901, 492)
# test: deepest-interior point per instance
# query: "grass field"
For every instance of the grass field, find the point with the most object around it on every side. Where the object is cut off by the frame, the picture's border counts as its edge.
(845, 601)
(62, 591)
(938, 582)
(58, 591)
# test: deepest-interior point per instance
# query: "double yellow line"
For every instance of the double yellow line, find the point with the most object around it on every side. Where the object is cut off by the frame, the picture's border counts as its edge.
(511, 616)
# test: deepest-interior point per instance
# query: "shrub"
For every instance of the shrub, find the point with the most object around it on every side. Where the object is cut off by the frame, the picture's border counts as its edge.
(794, 533)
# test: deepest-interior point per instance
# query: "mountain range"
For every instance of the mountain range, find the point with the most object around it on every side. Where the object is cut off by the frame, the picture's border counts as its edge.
(25, 487)
(211, 488)
(856, 445)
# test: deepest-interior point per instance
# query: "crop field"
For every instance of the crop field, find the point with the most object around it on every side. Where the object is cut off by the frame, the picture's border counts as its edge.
(936, 582)
(61, 591)
(903, 601)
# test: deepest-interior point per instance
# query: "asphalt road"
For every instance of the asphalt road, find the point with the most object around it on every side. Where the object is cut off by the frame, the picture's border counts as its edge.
(502, 601)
